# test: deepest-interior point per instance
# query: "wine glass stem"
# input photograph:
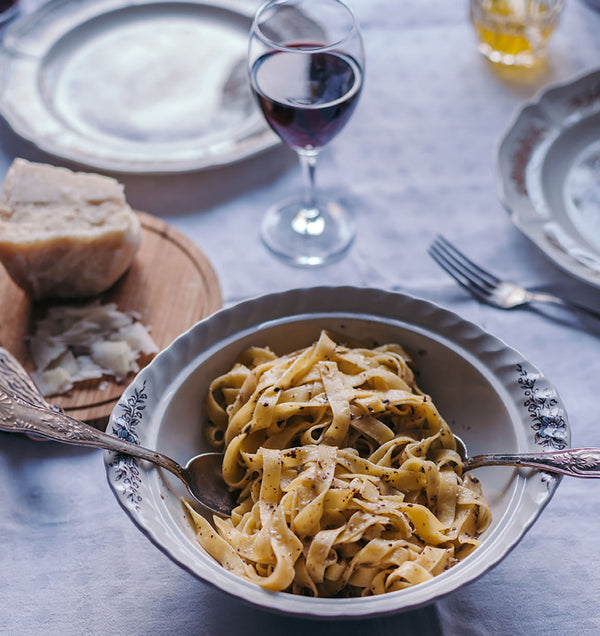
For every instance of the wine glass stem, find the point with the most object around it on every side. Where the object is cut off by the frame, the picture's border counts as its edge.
(308, 221)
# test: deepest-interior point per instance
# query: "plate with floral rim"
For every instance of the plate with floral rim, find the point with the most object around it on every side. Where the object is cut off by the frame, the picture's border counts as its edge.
(548, 174)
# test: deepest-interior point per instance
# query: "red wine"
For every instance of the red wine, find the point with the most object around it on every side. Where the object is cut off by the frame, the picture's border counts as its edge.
(7, 4)
(306, 98)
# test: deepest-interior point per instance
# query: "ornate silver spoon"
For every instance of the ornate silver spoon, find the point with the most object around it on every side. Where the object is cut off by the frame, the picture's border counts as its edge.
(576, 462)
(23, 409)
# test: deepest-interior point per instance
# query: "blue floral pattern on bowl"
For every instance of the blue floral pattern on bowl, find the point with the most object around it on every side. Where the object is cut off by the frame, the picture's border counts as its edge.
(548, 420)
(127, 472)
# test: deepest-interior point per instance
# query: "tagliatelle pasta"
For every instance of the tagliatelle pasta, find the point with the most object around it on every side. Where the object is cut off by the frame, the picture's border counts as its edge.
(348, 477)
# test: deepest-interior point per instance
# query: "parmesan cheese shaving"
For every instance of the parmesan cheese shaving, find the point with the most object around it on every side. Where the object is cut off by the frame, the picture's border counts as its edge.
(86, 342)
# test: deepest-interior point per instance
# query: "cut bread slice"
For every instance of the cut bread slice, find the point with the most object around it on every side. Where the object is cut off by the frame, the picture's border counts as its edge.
(65, 234)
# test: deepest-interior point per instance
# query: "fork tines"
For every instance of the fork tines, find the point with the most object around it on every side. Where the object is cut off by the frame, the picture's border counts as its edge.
(471, 276)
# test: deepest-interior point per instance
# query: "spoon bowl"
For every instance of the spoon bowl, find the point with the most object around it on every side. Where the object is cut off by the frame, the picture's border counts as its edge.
(203, 476)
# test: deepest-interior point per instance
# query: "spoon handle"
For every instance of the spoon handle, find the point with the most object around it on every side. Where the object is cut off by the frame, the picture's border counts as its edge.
(576, 462)
(24, 410)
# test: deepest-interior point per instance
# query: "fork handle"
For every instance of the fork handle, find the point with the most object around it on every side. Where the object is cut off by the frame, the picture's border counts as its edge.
(556, 300)
(576, 462)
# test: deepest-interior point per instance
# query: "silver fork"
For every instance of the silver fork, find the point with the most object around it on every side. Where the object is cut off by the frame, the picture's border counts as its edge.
(489, 288)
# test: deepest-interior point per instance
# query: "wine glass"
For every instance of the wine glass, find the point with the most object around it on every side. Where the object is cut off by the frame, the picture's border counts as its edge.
(306, 61)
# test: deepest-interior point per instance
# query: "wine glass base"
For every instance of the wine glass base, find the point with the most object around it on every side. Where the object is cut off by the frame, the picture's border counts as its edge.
(308, 237)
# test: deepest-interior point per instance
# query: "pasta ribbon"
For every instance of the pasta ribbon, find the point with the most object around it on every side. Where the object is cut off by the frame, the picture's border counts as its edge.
(347, 476)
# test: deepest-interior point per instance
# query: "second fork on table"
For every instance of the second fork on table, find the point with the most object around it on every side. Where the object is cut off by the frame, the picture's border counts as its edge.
(487, 286)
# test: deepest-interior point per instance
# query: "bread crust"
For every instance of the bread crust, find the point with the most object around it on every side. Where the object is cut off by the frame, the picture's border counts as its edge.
(76, 242)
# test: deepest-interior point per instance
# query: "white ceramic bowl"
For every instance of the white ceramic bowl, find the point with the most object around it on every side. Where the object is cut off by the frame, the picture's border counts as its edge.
(493, 398)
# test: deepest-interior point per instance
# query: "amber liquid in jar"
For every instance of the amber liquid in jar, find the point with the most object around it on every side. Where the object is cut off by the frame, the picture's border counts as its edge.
(514, 32)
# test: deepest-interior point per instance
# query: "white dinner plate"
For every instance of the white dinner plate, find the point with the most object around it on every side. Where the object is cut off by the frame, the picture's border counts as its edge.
(489, 394)
(548, 168)
(155, 86)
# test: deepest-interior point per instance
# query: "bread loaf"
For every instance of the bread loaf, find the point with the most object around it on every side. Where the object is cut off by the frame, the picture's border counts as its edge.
(65, 234)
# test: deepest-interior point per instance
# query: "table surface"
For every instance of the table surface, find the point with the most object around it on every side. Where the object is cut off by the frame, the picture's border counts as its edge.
(417, 158)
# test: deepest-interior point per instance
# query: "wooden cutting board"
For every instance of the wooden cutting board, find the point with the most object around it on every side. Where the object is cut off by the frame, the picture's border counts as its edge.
(171, 285)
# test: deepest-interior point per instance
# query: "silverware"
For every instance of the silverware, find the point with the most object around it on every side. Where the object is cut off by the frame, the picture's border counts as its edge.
(23, 409)
(489, 288)
(575, 462)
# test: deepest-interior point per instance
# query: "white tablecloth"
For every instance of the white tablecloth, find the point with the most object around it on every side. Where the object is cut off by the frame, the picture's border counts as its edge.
(416, 159)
